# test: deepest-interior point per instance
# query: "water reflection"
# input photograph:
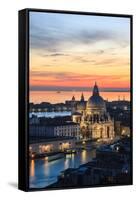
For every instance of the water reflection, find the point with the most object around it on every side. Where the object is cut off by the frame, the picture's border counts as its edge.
(66, 163)
(83, 156)
(32, 168)
(43, 173)
(46, 168)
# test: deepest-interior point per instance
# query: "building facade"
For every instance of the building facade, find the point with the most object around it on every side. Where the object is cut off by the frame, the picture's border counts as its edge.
(67, 129)
(51, 145)
(95, 122)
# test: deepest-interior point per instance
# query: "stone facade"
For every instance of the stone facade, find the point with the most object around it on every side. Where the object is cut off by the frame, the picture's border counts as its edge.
(67, 129)
(51, 145)
(95, 121)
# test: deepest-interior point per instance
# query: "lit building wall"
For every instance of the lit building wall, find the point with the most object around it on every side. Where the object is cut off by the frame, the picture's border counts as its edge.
(51, 146)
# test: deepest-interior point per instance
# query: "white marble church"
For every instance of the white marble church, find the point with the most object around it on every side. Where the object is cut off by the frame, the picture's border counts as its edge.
(95, 121)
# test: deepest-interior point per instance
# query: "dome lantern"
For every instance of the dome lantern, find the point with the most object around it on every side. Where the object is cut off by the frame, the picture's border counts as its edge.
(95, 90)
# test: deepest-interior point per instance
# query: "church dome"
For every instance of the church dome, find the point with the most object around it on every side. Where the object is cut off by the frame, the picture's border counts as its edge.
(96, 102)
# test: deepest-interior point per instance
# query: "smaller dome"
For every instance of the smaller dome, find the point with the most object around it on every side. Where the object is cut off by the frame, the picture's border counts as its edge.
(73, 98)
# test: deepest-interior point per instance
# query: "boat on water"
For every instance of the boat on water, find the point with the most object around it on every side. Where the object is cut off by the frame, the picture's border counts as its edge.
(54, 157)
(48, 156)
(70, 151)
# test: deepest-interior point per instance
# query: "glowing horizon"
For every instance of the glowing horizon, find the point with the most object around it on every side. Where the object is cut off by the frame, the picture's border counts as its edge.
(76, 50)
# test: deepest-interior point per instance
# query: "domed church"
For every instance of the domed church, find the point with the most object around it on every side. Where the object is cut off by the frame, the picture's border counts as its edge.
(95, 121)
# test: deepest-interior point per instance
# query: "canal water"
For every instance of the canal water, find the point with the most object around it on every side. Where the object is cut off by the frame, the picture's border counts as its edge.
(44, 173)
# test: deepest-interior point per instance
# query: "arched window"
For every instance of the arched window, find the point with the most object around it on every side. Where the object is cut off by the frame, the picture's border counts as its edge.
(108, 131)
(101, 130)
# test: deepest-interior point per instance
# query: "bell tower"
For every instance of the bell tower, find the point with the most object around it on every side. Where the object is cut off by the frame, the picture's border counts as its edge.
(82, 97)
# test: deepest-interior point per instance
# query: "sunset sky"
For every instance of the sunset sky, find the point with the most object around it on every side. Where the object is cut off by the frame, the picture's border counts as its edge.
(73, 51)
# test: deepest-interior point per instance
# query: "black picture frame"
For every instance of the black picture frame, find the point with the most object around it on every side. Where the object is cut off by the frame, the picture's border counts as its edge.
(23, 122)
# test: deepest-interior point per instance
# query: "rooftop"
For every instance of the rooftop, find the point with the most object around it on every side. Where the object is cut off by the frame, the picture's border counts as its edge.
(57, 123)
(34, 140)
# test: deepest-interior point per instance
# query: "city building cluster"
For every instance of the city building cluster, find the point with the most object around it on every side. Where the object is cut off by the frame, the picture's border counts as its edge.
(94, 119)
(112, 166)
